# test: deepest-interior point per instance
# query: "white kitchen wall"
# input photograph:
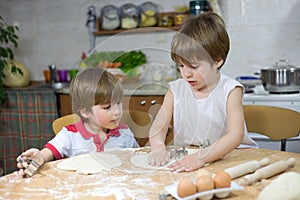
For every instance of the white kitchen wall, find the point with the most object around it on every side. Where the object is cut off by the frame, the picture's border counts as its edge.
(261, 32)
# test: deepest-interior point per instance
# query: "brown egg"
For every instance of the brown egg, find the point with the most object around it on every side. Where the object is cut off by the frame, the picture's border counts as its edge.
(204, 183)
(186, 188)
(222, 180)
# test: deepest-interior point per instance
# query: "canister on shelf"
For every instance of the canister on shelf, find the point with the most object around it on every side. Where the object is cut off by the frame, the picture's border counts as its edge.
(199, 6)
(165, 19)
(129, 16)
(149, 13)
(179, 18)
(110, 17)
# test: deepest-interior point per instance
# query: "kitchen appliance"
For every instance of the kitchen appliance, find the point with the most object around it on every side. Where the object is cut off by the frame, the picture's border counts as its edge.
(290, 101)
(281, 78)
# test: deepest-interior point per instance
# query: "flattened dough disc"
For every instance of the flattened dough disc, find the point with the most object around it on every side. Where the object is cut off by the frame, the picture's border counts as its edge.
(141, 160)
(90, 163)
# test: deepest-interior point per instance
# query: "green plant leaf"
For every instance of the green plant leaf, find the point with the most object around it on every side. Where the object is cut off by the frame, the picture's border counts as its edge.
(13, 38)
(20, 71)
(11, 54)
(10, 29)
(3, 52)
(13, 69)
(8, 37)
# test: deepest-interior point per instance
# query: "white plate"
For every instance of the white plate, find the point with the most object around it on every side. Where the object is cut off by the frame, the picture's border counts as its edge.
(172, 190)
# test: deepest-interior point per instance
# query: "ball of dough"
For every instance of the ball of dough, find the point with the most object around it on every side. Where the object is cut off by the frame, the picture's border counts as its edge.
(285, 186)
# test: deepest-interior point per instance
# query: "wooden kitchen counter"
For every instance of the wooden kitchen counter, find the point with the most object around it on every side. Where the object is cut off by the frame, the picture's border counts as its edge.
(52, 183)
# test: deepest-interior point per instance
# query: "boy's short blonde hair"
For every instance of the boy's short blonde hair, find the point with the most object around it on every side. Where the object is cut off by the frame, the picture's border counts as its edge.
(94, 86)
(201, 37)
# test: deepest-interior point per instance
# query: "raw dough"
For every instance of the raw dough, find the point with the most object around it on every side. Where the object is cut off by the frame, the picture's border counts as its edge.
(141, 160)
(286, 186)
(90, 163)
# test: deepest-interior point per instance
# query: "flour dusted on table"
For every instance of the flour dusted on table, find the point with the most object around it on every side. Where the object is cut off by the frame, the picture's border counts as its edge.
(91, 163)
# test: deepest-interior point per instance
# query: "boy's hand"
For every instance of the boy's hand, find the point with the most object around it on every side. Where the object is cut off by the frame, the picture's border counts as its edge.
(159, 157)
(188, 163)
(29, 162)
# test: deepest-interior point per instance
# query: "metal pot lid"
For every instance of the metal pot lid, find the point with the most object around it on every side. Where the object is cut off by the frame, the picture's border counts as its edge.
(282, 67)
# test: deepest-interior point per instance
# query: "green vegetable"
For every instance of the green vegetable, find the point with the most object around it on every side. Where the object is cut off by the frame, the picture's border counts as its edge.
(129, 59)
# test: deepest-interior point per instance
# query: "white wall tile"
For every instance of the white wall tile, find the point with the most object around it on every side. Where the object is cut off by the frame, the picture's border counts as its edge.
(258, 12)
(261, 32)
(288, 12)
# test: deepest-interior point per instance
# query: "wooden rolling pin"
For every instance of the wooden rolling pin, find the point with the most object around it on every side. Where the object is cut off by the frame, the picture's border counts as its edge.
(246, 168)
(269, 171)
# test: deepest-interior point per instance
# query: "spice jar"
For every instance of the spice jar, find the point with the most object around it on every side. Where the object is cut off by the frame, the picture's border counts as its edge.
(179, 18)
(110, 17)
(148, 14)
(129, 16)
(165, 19)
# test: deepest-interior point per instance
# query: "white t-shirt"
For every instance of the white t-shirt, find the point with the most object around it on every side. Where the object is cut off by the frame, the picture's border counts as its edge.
(74, 140)
(202, 121)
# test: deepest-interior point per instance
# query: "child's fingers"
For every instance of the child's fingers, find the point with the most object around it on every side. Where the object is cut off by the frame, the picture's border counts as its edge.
(21, 173)
(19, 165)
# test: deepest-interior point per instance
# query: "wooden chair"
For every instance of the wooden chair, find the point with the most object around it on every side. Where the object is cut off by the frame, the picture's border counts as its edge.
(139, 123)
(59, 123)
(273, 122)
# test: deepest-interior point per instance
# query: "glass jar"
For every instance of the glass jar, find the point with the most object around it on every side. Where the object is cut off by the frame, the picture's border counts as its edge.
(149, 13)
(179, 18)
(110, 17)
(165, 19)
(129, 16)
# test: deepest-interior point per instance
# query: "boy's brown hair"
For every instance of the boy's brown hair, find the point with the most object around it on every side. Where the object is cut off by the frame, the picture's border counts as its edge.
(94, 86)
(201, 37)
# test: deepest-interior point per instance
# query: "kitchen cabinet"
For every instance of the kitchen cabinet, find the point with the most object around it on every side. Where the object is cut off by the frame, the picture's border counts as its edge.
(65, 104)
(143, 103)
(150, 104)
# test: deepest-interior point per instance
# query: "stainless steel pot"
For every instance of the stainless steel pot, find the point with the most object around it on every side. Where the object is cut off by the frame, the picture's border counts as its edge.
(281, 78)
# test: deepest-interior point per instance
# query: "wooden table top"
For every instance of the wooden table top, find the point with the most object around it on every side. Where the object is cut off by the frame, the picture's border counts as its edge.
(52, 183)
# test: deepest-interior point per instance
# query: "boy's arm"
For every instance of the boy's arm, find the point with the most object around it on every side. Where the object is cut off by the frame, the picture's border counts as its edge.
(235, 129)
(233, 138)
(158, 130)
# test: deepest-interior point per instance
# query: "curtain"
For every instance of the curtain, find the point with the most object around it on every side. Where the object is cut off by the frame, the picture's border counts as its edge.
(25, 122)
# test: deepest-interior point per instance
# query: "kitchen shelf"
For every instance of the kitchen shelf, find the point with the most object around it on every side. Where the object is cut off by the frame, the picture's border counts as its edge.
(136, 30)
